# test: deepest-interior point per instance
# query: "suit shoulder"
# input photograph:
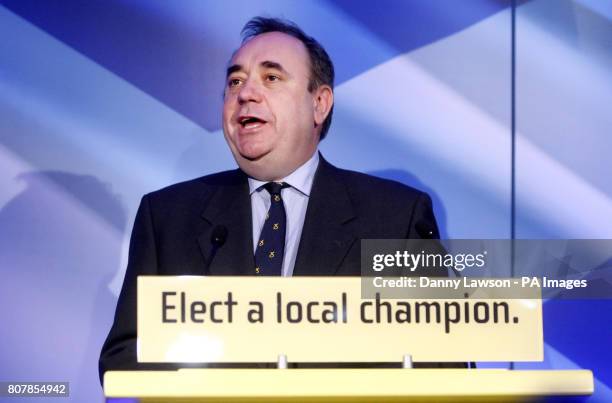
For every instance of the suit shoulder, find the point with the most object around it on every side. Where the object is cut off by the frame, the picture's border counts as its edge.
(196, 188)
(373, 186)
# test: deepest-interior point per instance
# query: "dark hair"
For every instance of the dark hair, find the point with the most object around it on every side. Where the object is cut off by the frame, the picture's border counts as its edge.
(321, 66)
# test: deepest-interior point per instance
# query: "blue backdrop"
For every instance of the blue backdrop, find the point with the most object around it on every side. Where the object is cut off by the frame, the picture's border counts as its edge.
(501, 113)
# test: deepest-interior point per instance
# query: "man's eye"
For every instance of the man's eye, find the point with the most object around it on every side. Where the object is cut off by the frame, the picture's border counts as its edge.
(272, 77)
(233, 82)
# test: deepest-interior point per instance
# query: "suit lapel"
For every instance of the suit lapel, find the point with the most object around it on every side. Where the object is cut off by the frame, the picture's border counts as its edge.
(328, 231)
(230, 206)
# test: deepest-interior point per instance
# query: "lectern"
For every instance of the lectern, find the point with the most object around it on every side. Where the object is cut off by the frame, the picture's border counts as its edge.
(326, 320)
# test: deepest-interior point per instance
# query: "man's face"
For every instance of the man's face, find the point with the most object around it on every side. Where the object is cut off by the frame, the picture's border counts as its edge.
(269, 115)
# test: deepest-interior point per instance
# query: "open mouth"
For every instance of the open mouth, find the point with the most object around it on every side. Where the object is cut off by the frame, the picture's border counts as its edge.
(250, 122)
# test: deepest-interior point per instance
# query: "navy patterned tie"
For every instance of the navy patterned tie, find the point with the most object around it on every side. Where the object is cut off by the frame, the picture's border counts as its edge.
(271, 243)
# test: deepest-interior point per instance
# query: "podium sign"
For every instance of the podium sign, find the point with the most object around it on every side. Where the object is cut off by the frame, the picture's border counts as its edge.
(324, 319)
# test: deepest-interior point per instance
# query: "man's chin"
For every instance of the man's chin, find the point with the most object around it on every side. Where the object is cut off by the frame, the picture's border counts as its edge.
(253, 157)
(258, 167)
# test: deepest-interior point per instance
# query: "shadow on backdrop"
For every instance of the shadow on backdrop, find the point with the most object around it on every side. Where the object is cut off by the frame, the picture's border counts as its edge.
(60, 245)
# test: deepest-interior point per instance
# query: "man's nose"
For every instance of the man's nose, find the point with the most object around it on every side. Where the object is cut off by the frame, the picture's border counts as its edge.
(249, 92)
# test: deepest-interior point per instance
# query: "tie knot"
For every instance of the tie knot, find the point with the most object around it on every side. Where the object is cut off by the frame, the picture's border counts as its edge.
(274, 188)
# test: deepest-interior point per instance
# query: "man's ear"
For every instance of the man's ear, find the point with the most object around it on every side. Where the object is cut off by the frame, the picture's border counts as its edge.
(323, 99)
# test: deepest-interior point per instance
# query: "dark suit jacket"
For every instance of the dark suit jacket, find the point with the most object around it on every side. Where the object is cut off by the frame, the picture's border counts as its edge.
(173, 227)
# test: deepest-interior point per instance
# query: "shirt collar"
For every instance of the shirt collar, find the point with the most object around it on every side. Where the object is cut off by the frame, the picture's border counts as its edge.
(300, 179)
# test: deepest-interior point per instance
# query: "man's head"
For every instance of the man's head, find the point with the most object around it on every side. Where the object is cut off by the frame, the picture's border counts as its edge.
(278, 98)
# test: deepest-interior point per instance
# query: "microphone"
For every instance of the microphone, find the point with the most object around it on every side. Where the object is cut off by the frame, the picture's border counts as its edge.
(217, 239)
(426, 230)
(219, 235)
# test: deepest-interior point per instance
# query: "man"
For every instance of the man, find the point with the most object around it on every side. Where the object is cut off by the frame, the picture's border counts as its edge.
(286, 211)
